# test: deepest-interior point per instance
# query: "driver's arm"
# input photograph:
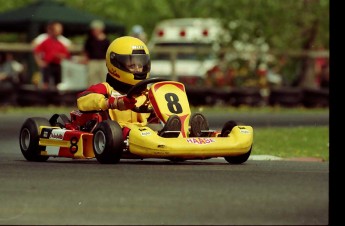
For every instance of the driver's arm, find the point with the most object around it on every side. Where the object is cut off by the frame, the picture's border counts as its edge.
(102, 97)
(95, 98)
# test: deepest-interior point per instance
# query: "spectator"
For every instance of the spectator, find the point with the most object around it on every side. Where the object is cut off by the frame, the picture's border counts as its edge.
(40, 38)
(95, 48)
(274, 72)
(323, 76)
(322, 69)
(10, 70)
(138, 32)
(49, 54)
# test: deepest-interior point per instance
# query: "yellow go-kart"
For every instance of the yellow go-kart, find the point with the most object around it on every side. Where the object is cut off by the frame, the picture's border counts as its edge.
(88, 135)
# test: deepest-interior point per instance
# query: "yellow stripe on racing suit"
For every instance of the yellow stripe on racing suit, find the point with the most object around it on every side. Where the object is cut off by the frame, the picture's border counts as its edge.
(95, 98)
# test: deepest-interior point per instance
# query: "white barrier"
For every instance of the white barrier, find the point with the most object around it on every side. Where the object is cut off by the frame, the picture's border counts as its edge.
(73, 76)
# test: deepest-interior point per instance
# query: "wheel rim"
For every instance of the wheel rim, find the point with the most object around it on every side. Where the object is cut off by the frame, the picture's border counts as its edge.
(99, 142)
(25, 139)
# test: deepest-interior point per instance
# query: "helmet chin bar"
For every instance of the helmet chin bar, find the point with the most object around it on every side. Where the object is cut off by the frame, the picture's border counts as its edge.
(140, 76)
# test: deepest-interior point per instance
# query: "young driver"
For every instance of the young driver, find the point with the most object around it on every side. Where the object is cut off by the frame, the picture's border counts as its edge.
(128, 62)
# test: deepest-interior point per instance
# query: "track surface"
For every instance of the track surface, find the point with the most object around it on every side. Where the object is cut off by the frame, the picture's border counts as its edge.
(157, 192)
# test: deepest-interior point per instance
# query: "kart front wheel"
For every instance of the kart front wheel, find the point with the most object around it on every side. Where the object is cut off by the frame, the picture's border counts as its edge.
(108, 142)
(29, 139)
(239, 159)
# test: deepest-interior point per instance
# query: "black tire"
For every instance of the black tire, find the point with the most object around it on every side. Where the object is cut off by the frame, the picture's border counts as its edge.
(238, 159)
(228, 126)
(177, 160)
(108, 142)
(29, 139)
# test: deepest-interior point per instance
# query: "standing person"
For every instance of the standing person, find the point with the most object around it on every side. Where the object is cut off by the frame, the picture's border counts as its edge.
(49, 54)
(138, 32)
(40, 38)
(10, 70)
(95, 48)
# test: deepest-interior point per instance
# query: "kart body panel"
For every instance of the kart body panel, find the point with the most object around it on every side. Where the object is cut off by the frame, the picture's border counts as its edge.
(66, 143)
(146, 143)
(168, 98)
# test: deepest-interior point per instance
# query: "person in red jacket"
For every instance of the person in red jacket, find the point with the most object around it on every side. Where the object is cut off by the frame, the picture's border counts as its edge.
(49, 54)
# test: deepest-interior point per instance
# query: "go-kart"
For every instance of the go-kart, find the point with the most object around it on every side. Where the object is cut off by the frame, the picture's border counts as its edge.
(87, 135)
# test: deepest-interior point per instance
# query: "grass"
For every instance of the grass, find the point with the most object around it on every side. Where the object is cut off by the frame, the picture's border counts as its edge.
(286, 142)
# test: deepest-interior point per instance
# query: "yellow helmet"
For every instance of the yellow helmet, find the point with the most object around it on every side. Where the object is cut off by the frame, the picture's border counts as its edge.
(128, 62)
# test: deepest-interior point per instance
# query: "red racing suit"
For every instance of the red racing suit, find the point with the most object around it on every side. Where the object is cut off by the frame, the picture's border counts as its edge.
(96, 98)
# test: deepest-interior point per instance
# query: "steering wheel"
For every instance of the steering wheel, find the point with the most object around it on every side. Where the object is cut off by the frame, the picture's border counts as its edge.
(141, 89)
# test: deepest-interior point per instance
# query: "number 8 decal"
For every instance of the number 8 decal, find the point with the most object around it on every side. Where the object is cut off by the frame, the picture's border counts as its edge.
(74, 145)
(173, 103)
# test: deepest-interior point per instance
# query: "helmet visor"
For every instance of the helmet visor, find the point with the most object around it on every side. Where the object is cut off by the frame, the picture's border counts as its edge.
(133, 63)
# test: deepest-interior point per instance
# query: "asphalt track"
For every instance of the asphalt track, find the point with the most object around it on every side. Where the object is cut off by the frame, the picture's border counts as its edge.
(160, 192)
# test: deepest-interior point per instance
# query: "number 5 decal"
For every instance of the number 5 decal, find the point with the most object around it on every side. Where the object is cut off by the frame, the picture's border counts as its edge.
(173, 103)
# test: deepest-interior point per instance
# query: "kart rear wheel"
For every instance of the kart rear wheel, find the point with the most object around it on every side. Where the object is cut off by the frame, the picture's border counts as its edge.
(29, 139)
(239, 159)
(108, 142)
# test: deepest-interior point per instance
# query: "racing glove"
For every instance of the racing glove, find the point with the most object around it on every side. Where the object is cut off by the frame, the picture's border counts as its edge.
(121, 102)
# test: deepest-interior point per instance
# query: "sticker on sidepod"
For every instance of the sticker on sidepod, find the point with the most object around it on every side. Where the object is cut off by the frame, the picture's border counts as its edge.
(45, 133)
(200, 140)
(57, 134)
(145, 133)
(244, 130)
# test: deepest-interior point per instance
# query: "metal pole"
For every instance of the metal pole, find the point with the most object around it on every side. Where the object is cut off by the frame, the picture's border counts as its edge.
(173, 57)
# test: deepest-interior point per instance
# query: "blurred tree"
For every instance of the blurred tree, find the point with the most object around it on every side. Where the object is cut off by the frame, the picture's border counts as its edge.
(283, 25)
